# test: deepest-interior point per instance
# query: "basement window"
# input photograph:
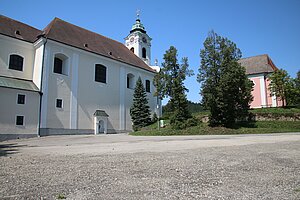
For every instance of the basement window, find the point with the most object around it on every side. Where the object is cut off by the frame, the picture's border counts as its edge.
(20, 120)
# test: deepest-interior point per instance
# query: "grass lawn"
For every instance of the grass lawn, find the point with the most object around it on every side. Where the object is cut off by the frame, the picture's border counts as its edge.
(286, 110)
(259, 127)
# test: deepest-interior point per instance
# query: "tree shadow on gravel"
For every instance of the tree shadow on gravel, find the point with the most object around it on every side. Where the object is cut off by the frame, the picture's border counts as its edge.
(8, 149)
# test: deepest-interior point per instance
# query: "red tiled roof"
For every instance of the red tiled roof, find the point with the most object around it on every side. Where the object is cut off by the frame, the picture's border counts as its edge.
(19, 30)
(72, 35)
(258, 64)
(64, 32)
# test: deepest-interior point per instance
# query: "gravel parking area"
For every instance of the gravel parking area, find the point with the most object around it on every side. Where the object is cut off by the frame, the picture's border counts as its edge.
(128, 167)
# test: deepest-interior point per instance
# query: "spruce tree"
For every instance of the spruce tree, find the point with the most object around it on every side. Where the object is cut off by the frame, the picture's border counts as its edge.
(169, 83)
(226, 90)
(140, 111)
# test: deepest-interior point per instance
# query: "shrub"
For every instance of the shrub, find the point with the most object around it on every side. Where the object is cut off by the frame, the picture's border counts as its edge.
(178, 125)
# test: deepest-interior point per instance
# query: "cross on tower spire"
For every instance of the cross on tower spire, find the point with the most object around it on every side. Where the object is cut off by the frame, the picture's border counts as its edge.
(138, 12)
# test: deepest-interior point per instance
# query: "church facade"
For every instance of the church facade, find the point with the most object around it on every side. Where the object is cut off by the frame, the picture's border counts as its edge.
(258, 68)
(68, 80)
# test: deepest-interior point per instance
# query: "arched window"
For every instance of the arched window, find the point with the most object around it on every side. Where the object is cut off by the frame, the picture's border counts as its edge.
(16, 62)
(147, 86)
(100, 73)
(60, 64)
(144, 52)
(130, 81)
(132, 49)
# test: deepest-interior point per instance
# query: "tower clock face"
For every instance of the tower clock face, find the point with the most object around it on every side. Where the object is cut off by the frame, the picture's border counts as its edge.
(144, 40)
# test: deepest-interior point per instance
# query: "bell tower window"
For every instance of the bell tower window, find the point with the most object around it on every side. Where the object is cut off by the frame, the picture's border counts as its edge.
(132, 49)
(144, 52)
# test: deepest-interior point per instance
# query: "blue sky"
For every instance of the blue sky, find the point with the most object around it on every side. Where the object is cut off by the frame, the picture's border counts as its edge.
(256, 26)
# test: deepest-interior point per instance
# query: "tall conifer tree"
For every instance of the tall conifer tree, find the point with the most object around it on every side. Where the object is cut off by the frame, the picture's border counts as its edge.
(140, 111)
(169, 83)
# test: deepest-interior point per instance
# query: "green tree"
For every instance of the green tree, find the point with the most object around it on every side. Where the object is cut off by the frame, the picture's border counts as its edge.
(297, 89)
(169, 83)
(225, 88)
(293, 96)
(139, 111)
(281, 85)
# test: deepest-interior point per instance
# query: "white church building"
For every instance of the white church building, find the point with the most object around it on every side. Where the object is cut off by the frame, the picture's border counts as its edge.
(68, 80)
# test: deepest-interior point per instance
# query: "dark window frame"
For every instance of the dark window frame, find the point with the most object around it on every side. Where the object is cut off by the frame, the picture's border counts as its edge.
(147, 85)
(58, 65)
(21, 99)
(144, 52)
(132, 49)
(16, 62)
(130, 81)
(100, 73)
(59, 103)
(20, 119)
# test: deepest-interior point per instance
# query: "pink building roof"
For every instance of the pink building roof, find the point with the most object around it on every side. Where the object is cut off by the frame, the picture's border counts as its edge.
(258, 64)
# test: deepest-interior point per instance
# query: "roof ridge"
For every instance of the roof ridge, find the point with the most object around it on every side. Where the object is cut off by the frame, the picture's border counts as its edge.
(255, 56)
(19, 22)
(83, 42)
(58, 19)
(47, 29)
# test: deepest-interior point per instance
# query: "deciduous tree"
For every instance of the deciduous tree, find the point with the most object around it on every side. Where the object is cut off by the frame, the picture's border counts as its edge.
(225, 88)
(281, 85)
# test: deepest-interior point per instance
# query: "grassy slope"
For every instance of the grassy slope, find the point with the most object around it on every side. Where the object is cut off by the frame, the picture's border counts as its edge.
(276, 110)
(204, 129)
(259, 127)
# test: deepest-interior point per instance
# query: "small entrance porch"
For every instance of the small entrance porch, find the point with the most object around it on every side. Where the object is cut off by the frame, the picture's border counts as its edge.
(100, 122)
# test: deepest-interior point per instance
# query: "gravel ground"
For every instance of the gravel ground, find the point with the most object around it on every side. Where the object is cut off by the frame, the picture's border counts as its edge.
(252, 171)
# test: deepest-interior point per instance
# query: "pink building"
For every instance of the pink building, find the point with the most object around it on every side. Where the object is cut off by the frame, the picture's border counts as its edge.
(258, 68)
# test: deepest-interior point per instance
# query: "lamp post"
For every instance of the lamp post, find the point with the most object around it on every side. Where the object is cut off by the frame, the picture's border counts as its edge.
(158, 112)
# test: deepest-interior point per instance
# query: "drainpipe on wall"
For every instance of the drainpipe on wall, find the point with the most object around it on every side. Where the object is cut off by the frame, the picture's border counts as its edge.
(41, 93)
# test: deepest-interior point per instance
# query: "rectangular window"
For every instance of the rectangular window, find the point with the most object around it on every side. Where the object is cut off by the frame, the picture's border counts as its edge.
(128, 82)
(20, 120)
(100, 73)
(59, 103)
(147, 86)
(21, 99)
(58, 66)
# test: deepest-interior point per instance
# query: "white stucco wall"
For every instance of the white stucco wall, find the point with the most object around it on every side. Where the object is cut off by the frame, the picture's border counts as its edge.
(38, 62)
(9, 109)
(56, 86)
(82, 95)
(13, 46)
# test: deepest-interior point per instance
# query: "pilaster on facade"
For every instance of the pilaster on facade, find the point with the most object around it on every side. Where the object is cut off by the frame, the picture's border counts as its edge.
(44, 89)
(263, 91)
(122, 113)
(74, 92)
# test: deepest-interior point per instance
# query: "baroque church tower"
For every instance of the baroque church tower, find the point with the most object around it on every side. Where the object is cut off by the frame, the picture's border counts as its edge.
(139, 42)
